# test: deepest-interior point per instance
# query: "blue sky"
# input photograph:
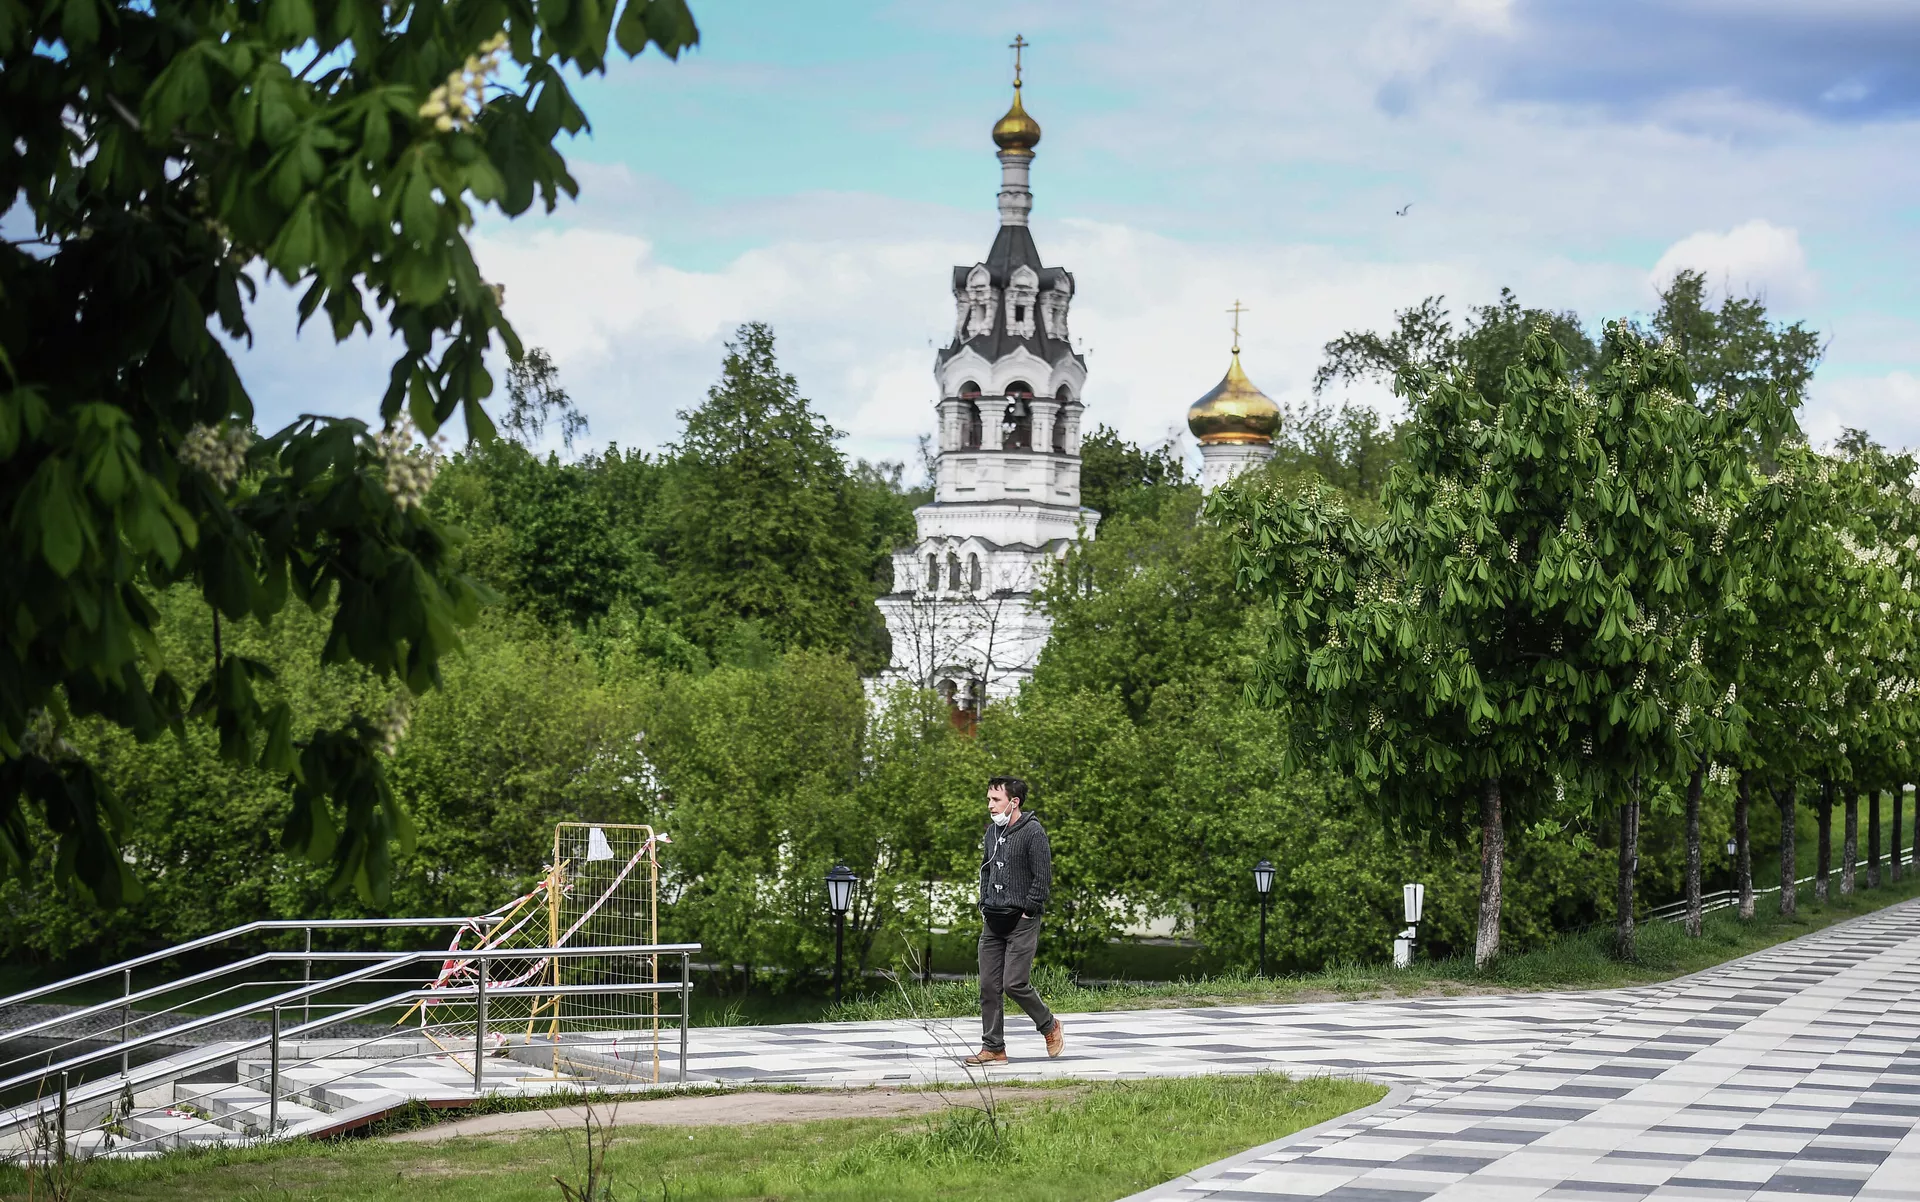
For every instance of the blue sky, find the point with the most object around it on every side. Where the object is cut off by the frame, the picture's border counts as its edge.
(821, 166)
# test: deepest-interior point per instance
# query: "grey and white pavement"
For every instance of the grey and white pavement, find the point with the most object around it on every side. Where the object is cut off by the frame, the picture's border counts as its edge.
(1426, 1040)
(1794, 1072)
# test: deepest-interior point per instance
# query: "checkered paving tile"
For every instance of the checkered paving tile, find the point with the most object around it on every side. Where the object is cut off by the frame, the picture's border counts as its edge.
(1793, 1073)
(1427, 1040)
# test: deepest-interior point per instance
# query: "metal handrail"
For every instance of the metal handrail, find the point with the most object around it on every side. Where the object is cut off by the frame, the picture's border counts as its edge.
(227, 1051)
(394, 960)
(264, 924)
(1722, 898)
(254, 961)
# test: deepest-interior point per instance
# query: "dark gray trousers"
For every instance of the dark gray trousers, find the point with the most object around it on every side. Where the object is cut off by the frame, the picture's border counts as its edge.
(1006, 961)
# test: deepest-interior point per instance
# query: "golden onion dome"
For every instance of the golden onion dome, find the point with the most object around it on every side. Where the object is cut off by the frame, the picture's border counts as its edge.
(1016, 133)
(1235, 411)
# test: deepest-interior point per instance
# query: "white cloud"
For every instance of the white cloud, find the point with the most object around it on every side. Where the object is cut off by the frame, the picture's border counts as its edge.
(1756, 258)
(1886, 406)
(1249, 158)
(857, 321)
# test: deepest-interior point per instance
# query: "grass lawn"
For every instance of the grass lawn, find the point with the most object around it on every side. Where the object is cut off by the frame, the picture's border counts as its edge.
(1582, 960)
(1103, 1141)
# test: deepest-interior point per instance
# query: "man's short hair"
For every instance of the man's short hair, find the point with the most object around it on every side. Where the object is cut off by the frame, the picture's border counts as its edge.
(1015, 787)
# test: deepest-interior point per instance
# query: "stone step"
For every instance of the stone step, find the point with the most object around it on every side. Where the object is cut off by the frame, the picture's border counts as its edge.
(160, 1130)
(242, 1109)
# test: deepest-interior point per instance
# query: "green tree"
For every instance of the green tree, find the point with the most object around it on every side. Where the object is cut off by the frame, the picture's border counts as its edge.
(534, 398)
(756, 777)
(1350, 447)
(1149, 601)
(164, 151)
(763, 523)
(1117, 478)
(1423, 337)
(557, 540)
(1522, 617)
(1736, 348)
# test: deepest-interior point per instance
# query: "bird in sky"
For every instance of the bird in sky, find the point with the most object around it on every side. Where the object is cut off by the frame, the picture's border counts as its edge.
(1402, 210)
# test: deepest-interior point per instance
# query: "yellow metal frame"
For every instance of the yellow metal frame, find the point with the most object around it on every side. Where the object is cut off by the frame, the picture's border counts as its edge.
(556, 890)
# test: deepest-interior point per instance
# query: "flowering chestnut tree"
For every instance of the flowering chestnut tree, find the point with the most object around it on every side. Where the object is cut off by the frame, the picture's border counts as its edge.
(1822, 658)
(1529, 613)
(168, 154)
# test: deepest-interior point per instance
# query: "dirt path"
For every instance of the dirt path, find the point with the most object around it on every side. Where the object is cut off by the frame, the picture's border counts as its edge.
(719, 1110)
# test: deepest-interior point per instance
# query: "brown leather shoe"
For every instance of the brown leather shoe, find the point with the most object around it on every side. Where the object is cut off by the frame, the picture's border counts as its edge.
(1056, 1038)
(986, 1056)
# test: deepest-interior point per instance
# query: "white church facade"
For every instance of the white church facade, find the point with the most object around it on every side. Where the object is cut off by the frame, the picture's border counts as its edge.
(964, 615)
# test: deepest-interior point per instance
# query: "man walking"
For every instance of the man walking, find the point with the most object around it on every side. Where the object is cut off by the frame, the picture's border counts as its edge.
(1016, 874)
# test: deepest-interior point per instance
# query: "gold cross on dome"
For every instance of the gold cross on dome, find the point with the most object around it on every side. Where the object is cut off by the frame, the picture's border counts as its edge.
(1237, 310)
(1018, 44)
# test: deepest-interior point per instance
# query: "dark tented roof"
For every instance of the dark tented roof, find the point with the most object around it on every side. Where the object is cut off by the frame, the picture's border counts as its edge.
(1013, 248)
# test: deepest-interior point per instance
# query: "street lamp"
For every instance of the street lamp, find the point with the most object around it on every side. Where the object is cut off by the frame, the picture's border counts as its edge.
(840, 880)
(926, 962)
(1263, 885)
(1413, 903)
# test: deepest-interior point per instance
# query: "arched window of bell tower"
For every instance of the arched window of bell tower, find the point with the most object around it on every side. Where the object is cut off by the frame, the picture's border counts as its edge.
(953, 572)
(933, 573)
(1016, 426)
(1059, 440)
(973, 573)
(973, 429)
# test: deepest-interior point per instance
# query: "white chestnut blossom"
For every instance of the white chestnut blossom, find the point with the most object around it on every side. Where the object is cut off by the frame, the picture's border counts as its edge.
(220, 452)
(409, 467)
(456, 103)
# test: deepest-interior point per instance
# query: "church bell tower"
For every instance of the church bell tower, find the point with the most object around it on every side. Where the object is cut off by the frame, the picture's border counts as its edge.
(963, 615)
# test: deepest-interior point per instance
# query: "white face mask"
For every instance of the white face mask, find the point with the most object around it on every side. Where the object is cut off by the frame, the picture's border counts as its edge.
(1002, 819)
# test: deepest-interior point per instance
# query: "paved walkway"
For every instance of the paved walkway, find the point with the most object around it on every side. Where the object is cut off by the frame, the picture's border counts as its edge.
(1791, 1073)
(1426, 1040)
(1788, 1074)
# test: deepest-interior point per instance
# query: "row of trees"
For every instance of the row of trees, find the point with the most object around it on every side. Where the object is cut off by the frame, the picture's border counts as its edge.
(1161, 783)
(1600, 570)
(763, 756)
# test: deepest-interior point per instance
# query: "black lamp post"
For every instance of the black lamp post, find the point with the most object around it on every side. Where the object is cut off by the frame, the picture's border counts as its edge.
(840, 880)
(1263, 885)
(926, 962)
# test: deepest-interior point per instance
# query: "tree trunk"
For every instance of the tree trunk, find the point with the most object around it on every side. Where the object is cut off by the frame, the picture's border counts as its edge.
(1743, 850)
(1694, 785)
(1823, 816)
(1873, 839)
(1493, 850)
(1789, 838)
(1850, 845)
(1629, 864)
(1893, 844)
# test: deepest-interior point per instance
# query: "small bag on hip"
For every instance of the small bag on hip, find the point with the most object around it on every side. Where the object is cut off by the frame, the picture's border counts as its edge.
(1001, 920)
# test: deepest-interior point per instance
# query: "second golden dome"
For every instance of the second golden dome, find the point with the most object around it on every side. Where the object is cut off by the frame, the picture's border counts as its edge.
(1235, 411)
